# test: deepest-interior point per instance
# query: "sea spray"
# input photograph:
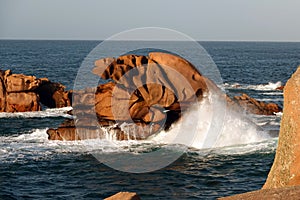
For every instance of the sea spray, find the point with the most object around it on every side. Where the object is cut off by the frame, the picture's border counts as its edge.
(232, 127)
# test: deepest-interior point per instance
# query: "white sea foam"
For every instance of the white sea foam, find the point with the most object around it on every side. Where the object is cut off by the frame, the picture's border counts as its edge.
(53, 112)
(261, 87)
(279, 114)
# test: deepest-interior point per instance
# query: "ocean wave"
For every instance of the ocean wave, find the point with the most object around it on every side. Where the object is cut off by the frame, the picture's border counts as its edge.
(261, 87)
(51, 112)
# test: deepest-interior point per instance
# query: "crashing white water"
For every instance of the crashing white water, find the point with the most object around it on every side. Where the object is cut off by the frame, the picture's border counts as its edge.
(51, 112)
(200, 128)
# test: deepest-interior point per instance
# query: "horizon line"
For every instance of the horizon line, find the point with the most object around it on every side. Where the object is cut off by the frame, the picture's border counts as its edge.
(204, 40)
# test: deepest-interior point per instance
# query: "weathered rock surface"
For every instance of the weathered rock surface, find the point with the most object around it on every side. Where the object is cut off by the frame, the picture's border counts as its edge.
(254, 106)
(124, 196)
(21, 93)
(286, 167)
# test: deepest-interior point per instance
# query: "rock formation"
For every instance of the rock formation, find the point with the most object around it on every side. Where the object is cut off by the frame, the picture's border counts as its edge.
(21, 93)
(148, 93)
(286, 167)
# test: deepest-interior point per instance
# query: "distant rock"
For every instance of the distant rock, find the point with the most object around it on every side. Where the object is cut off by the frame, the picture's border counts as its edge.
(286, 167)
(124, 196)
(254, 106)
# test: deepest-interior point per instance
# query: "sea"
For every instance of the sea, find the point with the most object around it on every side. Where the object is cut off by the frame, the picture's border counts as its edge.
(32, 167)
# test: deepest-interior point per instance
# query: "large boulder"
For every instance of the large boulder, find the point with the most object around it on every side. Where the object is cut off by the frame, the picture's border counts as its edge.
(286, 167)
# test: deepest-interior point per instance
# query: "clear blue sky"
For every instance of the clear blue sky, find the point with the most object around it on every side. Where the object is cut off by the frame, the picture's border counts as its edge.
(258, 20)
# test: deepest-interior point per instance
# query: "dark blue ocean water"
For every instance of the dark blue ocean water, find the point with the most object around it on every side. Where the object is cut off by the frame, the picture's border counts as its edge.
(31, 167)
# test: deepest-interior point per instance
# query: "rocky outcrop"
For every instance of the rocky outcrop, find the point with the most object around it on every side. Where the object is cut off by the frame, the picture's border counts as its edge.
(147, 93)
(124, 196)
(254, 106)
(286, 167)
(21, 93)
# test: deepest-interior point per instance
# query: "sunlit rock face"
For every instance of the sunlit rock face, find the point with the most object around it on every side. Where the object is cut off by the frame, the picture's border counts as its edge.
(286, 167)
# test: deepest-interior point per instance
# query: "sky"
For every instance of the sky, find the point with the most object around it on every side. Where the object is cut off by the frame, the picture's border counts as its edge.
(212, 20)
